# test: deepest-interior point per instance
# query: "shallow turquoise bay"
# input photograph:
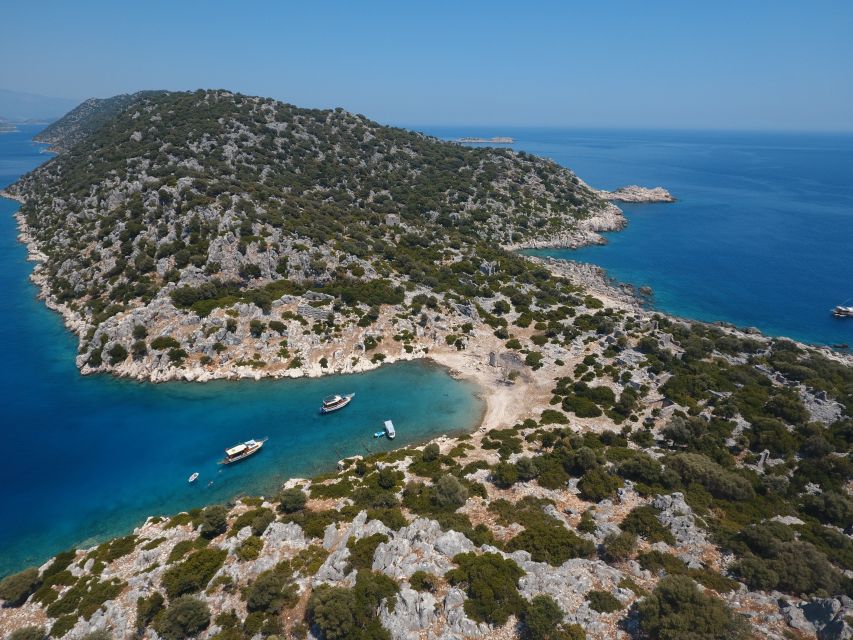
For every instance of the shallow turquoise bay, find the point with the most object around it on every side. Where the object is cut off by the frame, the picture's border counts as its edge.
(85, 458)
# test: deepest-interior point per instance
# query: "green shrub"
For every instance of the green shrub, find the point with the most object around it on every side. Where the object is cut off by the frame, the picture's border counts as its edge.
(794, 567)
(618, 546)
(603, 601)
(15, 589)
(162, 343)
(643, 521)
(28, 633)
(85, 597)
(117, 354)
(543, 620)
(60, 563)
(423, 581)
(361, 551)
(830, 507)
(449, 492)
(430, 452)
(147, 608)
(271, 591)
(657, 561)
(184, 618)
(526, 468)
(597, 485)
(193, 574)
(505, 474)
(677, 610)
(721, 483)
(549, 541)
(250, 549)
(549, 416)
(291, 500)
(351, 614)
(256, 519)
(491, 583)
(214, 521)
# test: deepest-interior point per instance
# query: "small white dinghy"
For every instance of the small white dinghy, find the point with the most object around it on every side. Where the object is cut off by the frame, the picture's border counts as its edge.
(193, 477)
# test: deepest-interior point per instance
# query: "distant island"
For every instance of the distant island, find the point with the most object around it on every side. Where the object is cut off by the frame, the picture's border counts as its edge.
(495, 140)
(631, 471)
(6, 126)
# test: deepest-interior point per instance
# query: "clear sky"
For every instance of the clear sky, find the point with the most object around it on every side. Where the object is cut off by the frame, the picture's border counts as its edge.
(754, 64)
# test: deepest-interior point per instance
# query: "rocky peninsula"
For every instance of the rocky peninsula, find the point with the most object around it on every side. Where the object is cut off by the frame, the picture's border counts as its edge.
(635, 476)
(633, 193)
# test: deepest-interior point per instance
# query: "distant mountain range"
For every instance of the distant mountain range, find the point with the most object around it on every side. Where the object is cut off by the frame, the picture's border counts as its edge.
(18, 107)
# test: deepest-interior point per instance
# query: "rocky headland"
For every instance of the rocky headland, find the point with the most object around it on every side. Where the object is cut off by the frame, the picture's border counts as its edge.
(633, 193)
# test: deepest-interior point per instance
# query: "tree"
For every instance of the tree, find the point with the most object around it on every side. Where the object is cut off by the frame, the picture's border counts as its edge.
(527, 468)
(449, 492)
(677, 610)
(15, 589)
(214, 521)
(505, 474)
(386, 478)
(184, 618)
(431, 452)
(291, 500)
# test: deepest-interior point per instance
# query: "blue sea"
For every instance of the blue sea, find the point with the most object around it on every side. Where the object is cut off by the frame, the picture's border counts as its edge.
(86, 458)
(761, 235)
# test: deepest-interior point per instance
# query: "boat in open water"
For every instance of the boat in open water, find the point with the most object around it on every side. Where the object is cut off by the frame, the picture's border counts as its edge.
(242, 451)
(193, 477)
(842, 312)
(335, 402)
(387, 431)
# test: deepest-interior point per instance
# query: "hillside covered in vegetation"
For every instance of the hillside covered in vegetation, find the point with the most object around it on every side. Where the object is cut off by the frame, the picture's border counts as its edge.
(186, 203)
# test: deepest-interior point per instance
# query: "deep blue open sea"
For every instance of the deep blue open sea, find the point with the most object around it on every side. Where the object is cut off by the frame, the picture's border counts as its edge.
(761, 235)
(86, 458)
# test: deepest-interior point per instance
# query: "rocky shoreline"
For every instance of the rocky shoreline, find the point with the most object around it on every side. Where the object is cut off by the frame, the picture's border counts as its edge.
(634, 193)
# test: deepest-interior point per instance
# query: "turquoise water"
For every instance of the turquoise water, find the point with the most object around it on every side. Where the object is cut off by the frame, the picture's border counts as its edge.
(86, 458)
(761, 235)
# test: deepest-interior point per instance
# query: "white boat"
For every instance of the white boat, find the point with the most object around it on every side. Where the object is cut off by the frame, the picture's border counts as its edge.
(842, 312)
(193, 477)
(242, 451)
(389, 430)
(335, 402)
